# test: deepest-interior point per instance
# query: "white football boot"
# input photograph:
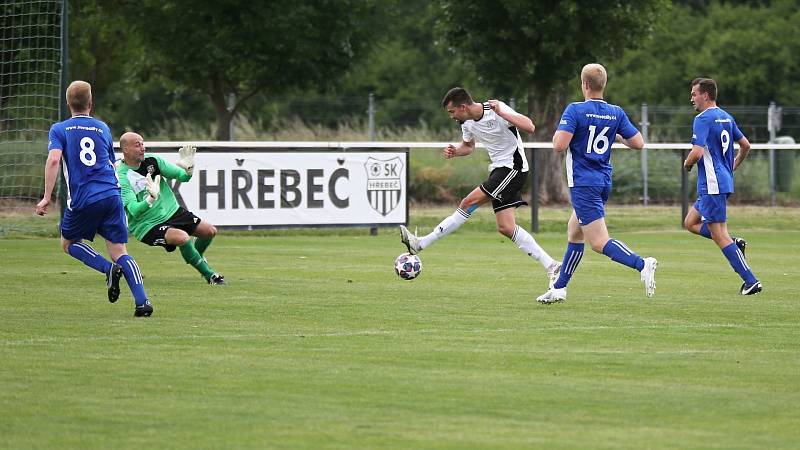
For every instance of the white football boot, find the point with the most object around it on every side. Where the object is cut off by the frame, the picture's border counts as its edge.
(410, 239)
(649, 276)
(553, 295)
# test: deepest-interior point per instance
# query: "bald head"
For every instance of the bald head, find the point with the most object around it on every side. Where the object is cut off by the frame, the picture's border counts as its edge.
(129, 138)
(595, 77)
(132, 146)
(79, 97)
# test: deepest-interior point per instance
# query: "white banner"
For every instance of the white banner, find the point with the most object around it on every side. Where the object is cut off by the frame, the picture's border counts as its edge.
(296, 188)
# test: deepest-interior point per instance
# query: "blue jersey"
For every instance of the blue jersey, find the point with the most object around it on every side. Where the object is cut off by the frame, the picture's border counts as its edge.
(715, 131)
(87, 151)
(594, 125)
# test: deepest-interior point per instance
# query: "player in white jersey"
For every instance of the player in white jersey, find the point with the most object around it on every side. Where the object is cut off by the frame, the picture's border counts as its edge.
(496, 125)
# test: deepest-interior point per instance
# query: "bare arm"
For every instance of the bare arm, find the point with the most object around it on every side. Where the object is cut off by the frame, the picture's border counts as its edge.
(50, 177)
(521, 121)
(463, 149)
(694, 156)
(744, 149)
(561, 140)
(635, 142)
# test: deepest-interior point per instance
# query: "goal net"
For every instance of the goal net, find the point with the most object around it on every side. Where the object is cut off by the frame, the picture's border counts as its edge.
(30, 69)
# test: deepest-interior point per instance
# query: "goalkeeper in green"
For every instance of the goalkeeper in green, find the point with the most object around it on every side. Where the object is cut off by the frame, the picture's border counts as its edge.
(154, 215)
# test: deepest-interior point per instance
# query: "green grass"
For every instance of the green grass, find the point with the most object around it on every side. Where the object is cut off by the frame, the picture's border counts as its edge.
(317, 344)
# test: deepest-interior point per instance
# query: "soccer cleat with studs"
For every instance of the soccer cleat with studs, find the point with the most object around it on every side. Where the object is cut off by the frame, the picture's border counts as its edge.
(217, 280)
(752, 289)
(145, 310)
(741, 243)
(553, 295)
(112, 282)
(649, 276)
(410, 240)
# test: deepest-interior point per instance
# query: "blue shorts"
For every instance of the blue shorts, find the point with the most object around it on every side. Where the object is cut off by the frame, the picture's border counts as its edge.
(105, 217)
(589, 202)
(713, 208)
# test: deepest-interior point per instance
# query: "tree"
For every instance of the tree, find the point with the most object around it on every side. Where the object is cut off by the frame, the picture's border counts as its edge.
(231, 50)
(406, 68)
(535, 47)
(752, 64)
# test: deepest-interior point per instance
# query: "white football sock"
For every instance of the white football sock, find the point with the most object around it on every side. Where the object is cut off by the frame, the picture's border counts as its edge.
(447, 226)
(528, 244)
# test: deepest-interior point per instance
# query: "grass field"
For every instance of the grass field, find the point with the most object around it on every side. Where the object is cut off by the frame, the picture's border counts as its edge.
(317, 344)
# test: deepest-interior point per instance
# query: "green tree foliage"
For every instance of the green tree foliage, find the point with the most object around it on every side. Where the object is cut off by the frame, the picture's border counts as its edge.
(407, 68)
(410, 70)
(534, 48)
(749, 48)
(232, 49)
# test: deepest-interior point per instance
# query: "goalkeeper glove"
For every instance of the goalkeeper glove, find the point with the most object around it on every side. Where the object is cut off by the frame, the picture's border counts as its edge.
(153, 188)
(187, 158)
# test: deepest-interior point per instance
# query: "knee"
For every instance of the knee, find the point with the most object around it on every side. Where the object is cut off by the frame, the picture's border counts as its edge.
(598, 246)
(65, 246)
(177, 237)
(506, 230)
(180, 240)
(207, 231)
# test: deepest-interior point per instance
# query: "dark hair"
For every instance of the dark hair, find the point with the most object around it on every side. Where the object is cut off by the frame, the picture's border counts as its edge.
(707, 85)
(458, 96)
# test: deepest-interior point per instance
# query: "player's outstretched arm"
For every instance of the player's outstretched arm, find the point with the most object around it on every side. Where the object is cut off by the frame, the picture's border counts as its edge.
(173, 171)
(744, 150)
(521, 121)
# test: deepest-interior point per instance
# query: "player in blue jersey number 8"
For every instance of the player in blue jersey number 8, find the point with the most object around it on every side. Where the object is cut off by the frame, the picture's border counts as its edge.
(586, 132)
(93, 205)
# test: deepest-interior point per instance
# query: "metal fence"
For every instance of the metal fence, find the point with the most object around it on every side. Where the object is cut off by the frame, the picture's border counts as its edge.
(659, 124)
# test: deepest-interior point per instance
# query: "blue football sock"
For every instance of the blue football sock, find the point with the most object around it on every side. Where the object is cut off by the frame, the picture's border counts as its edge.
(704, 231)
(619, 252)
(84, 253)
(738, 263)
(572, 257)
(134, 278)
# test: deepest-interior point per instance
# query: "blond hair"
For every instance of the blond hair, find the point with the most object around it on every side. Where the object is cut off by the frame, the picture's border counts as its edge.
(595, 76)
(79, 96)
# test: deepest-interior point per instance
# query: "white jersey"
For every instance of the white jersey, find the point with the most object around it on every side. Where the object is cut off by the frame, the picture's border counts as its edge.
(501, 138)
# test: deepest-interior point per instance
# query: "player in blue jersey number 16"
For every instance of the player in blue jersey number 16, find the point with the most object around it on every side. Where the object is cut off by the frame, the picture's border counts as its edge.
(586, 132)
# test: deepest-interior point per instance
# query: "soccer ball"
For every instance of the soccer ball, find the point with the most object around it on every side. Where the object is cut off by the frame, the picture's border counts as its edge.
(408, 266)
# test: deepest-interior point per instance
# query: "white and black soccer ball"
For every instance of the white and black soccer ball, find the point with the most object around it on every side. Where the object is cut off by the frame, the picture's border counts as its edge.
(408, 266)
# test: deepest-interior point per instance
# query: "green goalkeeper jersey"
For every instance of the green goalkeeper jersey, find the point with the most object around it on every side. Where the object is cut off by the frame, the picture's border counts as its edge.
(142, 217)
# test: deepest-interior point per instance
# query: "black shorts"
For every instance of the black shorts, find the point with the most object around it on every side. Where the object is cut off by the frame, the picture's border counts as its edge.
(182, 220)
(504, 185)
